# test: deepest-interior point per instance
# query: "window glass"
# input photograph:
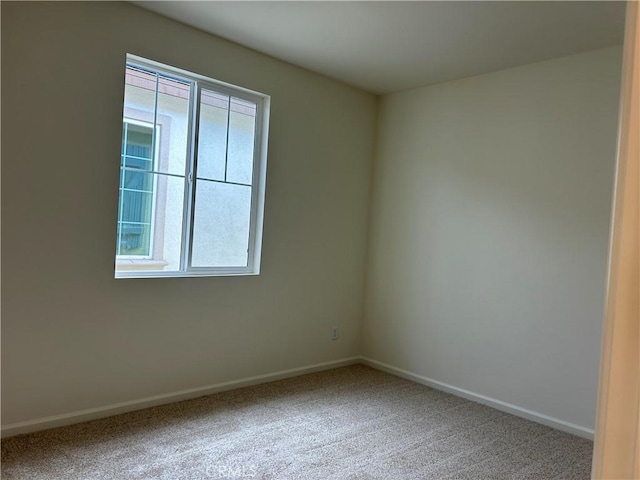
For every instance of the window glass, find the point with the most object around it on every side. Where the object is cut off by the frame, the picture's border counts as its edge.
(191, 155)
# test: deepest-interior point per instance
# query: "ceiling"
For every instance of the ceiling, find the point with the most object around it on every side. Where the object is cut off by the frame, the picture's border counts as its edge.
(384, 47)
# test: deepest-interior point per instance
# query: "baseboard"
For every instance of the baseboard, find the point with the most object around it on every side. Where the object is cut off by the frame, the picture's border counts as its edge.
(491, 402)
(123, 407)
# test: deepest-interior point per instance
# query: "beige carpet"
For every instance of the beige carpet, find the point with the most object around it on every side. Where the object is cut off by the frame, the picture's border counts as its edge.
(347, 423)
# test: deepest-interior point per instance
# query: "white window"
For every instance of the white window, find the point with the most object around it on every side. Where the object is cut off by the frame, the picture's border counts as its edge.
(192, 175)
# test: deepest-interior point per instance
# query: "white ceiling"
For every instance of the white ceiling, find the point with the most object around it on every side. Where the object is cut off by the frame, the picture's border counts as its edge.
(389, 46)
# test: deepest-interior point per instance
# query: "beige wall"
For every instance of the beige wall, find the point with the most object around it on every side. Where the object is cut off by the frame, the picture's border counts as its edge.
(489, 234)
(73, 337)
(488, 242)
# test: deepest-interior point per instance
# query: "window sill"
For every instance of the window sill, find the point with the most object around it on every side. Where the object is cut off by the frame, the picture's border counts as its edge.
(185, 274)
(123, 265)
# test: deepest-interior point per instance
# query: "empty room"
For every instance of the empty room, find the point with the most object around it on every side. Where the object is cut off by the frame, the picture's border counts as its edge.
(320, 240)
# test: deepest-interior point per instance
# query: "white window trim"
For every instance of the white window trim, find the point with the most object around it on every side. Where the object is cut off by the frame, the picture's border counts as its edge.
(254, 251)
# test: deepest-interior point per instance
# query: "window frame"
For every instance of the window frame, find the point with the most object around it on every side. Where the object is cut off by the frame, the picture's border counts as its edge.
(198, 82)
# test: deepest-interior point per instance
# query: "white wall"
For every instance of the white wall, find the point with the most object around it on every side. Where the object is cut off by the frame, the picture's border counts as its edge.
(73, 337)
(490, 222)
(488, 239)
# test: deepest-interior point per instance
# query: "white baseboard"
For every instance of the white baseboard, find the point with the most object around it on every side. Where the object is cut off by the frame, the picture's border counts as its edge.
(123, 407)
(491, 402)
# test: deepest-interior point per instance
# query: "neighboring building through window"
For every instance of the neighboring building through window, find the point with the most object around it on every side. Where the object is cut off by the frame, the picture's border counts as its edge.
(135, 212)
(192, 175)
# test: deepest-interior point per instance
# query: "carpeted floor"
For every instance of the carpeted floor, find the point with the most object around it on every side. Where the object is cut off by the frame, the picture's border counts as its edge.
(348, 423)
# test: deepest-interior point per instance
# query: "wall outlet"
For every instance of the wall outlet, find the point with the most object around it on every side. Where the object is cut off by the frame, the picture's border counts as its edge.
(335, 333)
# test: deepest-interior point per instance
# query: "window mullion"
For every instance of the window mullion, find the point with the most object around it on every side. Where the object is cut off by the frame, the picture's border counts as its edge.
(189, 194)
(226, 142)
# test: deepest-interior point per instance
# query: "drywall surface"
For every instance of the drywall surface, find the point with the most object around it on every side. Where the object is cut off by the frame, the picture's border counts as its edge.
(490, 223)
(75, 338)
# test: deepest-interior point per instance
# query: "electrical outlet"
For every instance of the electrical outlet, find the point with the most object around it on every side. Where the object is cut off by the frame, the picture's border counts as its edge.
(335, 333)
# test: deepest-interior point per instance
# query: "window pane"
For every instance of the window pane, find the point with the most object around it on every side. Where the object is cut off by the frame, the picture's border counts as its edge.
(212, 135)
(149, 222)
(171, 117)
(242, 124)
(139, 97)
(169, 215)
(221, 225)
